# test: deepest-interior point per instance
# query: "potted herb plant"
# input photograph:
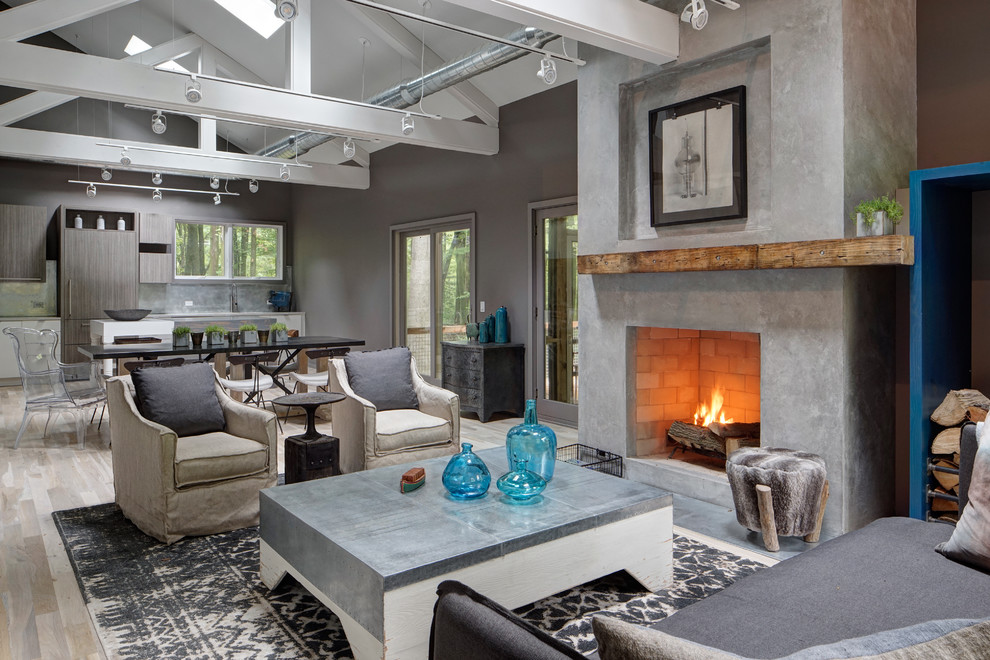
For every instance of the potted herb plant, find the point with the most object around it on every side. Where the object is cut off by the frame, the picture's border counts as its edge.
(279, 331)
(249, 333)
(180, 336)
(214, 334)
(878, 216)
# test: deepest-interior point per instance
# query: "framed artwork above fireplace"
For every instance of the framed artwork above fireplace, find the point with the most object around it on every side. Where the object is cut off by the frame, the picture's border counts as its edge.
(698, 159)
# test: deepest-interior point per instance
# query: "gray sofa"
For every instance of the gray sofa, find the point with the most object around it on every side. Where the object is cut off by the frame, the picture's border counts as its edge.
(884, 576)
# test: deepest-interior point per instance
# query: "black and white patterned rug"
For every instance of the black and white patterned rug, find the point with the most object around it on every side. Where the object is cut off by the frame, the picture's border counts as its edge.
(202, 598)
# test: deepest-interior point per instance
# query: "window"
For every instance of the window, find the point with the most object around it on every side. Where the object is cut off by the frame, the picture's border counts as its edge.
(228, 251)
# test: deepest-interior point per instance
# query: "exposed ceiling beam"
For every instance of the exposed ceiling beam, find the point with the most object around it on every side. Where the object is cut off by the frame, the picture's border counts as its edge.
(629, 27)
(387, 29)
(34, 67)
(298, 50)
(86, 150)
(29, 105)
(44, 15)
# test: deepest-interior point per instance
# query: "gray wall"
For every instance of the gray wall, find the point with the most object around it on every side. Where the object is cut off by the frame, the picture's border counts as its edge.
(342, 236)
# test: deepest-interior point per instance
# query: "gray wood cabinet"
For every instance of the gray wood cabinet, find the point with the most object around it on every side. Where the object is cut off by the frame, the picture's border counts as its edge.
(98, 270)
(156, 260)
(487, 377)
(22, 242)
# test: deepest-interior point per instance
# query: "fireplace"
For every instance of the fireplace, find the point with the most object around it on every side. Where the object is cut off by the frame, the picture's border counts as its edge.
(697, 394)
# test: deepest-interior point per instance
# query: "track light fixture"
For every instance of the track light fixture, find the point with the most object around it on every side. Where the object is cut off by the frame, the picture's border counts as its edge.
(194, 93)
(106, 174)
(156, 196)
(91, 190)
(158, 123)
(283, 173)
(215, 182)
(216, 199)
(253, 186)
(408, 124)
(349, 148)
(287, 10)
(125, 158)
(91, 187)
(548, 71)
(156, 178)
(696, 13)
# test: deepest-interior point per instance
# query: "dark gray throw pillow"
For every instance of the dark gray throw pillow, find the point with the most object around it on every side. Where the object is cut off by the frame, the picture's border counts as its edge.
(970, 541)
(182, 398)
(383, 377)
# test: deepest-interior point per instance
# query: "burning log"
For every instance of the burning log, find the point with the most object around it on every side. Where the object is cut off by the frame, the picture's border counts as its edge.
(710, 439)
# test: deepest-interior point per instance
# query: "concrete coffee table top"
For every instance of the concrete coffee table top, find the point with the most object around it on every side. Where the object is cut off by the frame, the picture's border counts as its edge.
(355, 538)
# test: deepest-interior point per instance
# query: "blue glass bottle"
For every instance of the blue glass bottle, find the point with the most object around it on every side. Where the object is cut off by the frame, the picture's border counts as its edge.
(532, 442)
(466, 475)
(521, 485)
(483, 337)
(502, 325)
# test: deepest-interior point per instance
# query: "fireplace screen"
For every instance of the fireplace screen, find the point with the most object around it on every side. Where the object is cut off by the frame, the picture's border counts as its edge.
(697, 393)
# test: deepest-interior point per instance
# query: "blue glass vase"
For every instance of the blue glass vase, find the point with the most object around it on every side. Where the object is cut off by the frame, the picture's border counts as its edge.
(502, 325)
(483, 337)
(466, 476)
(532, 442)
(521, 485)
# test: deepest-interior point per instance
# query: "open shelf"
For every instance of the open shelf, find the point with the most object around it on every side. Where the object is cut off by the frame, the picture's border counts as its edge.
(830, 253)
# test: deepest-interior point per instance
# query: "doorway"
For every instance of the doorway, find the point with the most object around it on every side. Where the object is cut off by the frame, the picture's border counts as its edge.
(433, 285)
(555, 296)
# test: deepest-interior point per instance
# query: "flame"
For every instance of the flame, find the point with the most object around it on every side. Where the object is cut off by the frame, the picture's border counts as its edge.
(706, 414)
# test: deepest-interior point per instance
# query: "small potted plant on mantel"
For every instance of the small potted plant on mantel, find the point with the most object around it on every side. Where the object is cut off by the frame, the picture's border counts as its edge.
(279, 331)
(180, 336)
(878, 216)
(214, 334)
(249, 333)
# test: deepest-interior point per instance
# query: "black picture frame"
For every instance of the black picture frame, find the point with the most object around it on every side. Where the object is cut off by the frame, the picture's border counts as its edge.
(698, 173)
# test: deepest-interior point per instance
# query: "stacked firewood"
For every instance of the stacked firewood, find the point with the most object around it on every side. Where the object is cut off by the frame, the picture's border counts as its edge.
(959, 406)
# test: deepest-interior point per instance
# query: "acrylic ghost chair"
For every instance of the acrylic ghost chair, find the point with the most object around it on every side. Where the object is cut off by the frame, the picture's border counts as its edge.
(52, 386)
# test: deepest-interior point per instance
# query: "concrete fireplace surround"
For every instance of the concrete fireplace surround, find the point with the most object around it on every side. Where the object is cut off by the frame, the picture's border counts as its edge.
(830, 120)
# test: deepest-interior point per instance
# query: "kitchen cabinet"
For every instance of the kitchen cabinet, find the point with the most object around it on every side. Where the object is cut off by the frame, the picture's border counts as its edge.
(22, 242)
(156, 263)
(99, 270)
(8, 361)
(487, 377)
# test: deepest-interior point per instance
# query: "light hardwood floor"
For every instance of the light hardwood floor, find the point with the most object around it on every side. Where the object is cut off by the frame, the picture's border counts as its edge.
(42, 614)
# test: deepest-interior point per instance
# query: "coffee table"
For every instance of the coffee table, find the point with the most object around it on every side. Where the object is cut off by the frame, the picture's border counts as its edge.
(375, 556)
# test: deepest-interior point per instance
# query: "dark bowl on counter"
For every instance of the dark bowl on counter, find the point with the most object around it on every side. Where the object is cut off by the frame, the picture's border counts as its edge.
(127, 314)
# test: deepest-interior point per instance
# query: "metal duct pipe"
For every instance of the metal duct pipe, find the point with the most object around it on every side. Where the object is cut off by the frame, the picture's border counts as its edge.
(409, 92)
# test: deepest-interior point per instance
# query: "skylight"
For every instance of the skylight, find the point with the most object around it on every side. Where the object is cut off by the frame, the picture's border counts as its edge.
(136, 45)
(259, 15)
(172, 65)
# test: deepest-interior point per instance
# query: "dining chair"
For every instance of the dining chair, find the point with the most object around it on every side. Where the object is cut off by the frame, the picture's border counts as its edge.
(257, 384)
(53, 386)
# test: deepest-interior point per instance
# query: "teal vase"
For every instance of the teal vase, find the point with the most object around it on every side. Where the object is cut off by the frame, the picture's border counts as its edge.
(501, 325)
(483, 333)
(532, 442)
(466, 476)
(521, 485)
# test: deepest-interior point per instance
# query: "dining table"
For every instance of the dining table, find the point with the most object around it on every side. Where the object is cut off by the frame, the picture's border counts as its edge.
(293, 347)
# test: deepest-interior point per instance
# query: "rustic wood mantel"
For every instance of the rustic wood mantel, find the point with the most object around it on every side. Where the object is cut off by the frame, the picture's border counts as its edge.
(831, 253)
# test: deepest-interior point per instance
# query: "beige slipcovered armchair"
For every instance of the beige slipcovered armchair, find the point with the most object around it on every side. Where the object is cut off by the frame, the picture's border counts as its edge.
(171, 486)
(371, 438)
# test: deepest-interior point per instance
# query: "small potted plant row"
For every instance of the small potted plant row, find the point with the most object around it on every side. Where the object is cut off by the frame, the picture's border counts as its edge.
(877, 217)
(180, 336)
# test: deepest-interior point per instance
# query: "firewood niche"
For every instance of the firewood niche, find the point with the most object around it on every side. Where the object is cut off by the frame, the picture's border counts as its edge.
(959, 406)
(717, 439)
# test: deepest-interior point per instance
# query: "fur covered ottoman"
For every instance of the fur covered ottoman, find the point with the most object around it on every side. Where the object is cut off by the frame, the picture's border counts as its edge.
(778, 491)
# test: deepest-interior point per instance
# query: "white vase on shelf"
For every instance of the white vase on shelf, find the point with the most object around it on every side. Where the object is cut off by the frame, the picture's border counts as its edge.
(77, 222)
(100, 222)
(121, 224)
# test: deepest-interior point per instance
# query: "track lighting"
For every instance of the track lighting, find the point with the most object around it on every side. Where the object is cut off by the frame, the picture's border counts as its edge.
(156, 178)
(215, 182)
(91, 190)
(158, 123)
(194, 94)
(106, 174)
(286, 10)
(408, 124)
(349, 148)
(253, 186)
(156, 196)
(696, 13)
(548, 71)
(283, 173)
(216, 199)
(125, 159)
(91, 187)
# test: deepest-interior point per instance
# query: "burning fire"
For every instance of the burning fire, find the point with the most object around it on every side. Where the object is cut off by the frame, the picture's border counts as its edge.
(706, 414)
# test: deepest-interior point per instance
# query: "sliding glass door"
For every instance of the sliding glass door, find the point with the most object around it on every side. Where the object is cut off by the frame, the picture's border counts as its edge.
(434, 285)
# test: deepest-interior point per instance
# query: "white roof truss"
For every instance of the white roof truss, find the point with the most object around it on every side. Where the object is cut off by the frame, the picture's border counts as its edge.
(41, 16)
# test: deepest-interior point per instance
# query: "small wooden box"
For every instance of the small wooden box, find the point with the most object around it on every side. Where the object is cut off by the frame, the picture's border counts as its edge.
(311, 459)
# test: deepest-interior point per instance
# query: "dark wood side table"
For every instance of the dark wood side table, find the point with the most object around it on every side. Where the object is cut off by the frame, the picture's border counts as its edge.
(311, 455)
(487, 377)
